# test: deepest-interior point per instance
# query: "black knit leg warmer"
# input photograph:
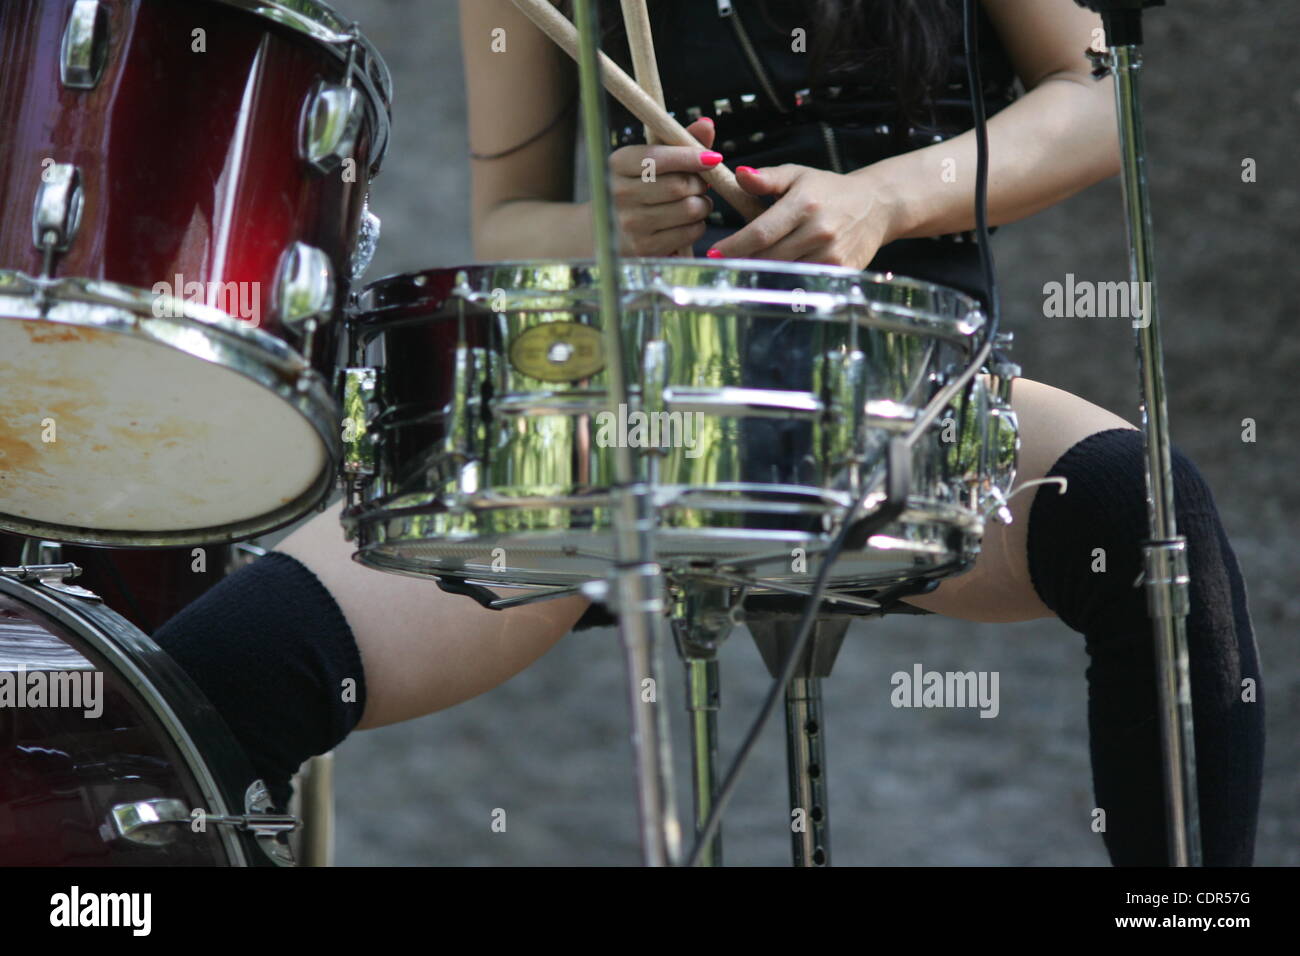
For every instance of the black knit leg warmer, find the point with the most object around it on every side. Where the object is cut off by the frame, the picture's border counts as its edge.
(271, 649)
(1105, 508)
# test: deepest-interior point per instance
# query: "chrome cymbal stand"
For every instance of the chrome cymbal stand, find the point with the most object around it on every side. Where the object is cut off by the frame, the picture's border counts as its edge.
(637, 587)
(805, 730)
(1165, 551)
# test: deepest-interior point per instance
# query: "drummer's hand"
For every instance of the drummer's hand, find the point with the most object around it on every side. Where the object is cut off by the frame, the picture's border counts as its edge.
(818, 216)
(660, 206)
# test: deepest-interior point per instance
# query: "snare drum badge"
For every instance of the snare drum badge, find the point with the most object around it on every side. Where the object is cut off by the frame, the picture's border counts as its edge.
(558, 352)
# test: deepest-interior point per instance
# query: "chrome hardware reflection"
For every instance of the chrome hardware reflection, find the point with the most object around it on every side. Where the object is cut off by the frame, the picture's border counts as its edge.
(85, 46)
(56, 213)
(788, 379)
(332, 119)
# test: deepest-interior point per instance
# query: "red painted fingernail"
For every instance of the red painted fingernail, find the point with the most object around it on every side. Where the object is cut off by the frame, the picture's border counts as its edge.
(714, 254)
(710, 159)
(707, 120)
(746, 169)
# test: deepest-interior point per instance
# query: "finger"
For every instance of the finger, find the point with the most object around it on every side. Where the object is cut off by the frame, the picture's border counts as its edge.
(703, 130)
(632, 160)
(763, 233)
(664, 189)
(802, 245)
(644, 220)
(670, 241)
(768, 181)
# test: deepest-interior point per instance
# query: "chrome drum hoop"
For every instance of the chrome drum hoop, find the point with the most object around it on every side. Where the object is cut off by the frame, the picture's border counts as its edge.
(198, 331)
(441, 507)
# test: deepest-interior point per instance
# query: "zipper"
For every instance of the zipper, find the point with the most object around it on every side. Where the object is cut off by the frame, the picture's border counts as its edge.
(832, 148)
(726, 10)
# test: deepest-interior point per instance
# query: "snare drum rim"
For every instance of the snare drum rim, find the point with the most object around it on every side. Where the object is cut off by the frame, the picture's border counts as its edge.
(198, 733)
(320, 22)
(368, 314)
(233, 345)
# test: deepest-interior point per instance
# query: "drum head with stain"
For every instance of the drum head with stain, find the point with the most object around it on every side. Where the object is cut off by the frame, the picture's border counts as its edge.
(109, 437)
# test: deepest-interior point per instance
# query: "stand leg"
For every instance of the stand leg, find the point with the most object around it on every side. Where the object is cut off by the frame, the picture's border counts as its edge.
(702, 619)
(804, 727)
(806, 760)
(1165, 551)
(703, 698)
(314, 795)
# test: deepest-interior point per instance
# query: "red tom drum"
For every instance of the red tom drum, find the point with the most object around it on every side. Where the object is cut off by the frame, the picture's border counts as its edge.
(185, 186)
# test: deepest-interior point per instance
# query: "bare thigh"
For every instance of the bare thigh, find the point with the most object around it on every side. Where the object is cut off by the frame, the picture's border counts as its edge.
(998, 588)
(423, 649)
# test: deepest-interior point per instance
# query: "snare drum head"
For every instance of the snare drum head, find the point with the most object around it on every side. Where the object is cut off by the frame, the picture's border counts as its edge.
(97, 725)
(111, 437)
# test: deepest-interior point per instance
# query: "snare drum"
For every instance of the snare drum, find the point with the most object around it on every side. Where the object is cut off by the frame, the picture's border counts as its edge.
(108, 766)
(479, 445)
(184, 186)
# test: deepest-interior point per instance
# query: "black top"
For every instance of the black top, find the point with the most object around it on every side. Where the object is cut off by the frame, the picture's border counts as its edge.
(732, 60)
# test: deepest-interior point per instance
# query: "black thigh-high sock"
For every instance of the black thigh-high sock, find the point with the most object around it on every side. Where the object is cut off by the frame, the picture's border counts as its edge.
(1105, 508)
(273, 653)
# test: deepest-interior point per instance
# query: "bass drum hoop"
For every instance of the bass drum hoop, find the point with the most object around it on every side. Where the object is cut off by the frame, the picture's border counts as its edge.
(158, 680)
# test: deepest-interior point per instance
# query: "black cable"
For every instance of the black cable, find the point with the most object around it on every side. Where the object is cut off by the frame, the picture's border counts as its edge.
(809, 617)
(975, 79)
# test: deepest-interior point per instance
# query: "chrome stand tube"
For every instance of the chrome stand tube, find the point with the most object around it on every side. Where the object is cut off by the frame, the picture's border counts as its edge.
(806, 763)
(314, 790)
(703, 698)
(638, 585)
(703, 617)
(810, 826)
(1165, 551)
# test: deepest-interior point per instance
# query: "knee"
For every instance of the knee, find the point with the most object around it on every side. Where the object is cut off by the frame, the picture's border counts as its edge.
(1085, 545)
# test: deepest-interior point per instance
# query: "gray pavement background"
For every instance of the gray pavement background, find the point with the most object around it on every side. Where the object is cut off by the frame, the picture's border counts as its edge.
(908, 787)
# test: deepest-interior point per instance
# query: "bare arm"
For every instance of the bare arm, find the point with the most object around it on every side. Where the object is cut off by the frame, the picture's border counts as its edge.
(1053, 142)
(521, 202)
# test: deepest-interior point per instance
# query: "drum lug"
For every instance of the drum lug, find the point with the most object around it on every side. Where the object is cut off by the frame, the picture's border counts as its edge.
(56, 214)
(331, 124)
(360, 405)
(85, 46)
(305, 288)
(464, 431)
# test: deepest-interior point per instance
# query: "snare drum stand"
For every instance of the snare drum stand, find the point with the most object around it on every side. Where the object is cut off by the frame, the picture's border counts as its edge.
(636, 586)
(1165, 567)
(805, 730)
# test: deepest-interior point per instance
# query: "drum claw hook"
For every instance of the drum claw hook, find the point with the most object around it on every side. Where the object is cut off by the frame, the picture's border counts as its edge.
(999, 506)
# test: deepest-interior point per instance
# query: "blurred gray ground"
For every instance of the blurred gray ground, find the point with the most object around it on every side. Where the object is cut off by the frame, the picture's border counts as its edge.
(907, 786)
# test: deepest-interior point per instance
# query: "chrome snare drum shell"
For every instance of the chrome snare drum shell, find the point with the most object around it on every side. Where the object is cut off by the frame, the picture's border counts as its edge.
(483, 440)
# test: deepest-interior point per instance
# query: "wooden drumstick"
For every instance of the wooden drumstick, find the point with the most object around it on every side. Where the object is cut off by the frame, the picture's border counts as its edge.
(641, 104)
(645, 64)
